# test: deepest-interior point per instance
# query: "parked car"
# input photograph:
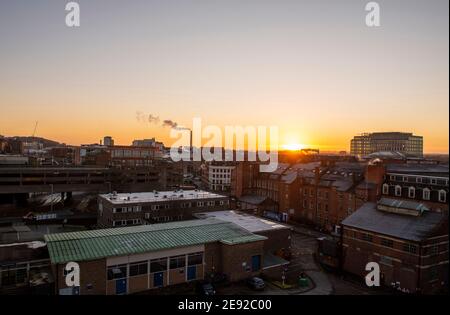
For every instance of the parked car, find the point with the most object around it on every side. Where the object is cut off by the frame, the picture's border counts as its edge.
(218, 278)
(256, 283)
(205, 288)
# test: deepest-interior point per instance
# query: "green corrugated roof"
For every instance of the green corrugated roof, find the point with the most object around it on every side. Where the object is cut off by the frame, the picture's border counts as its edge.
(89, 245)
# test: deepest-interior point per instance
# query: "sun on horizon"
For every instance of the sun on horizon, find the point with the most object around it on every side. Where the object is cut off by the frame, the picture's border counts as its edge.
(293, 146)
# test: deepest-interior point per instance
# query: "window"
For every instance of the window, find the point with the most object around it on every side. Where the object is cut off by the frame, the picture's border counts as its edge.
(433, 273)
(367, 237)
(177, 262)
(433, 181)
(386, 260)
(419, 180)
(385, 189)
(387, 242)
(117, 272)
(158, 265)
(195, 259)
(433, 250)
(398, 190)
(411, 192)
(137, 208)
(442, 196)
(405, 178)
(392, 177)
(410, 248)
(139, 268)
(426, 194)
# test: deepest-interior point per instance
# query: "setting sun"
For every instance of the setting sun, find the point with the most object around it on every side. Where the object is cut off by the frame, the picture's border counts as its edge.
(292, 146)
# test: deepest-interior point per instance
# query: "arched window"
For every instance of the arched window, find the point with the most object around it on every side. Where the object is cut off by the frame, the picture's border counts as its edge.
(442, 195)
(426, 194)
(398, 190)
(385, 189)
(411, 192)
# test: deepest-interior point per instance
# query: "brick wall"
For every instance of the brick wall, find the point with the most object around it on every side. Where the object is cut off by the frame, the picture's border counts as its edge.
(234, 256)
(422, 269)
(92, 277)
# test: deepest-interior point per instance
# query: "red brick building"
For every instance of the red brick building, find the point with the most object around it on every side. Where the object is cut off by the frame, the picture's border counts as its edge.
(319, 193)
(406, 239)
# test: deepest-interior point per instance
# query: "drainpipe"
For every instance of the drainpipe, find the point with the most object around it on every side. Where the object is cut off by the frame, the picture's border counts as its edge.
(419, 273)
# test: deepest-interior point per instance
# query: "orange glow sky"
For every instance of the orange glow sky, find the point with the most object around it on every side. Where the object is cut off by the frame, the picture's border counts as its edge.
(313, 68)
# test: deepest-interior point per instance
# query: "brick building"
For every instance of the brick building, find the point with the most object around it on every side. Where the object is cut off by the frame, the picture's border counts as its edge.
(321, 193)
(118, 156)
(133, 259)
(121, 209)
(406, 239)
(420, 182)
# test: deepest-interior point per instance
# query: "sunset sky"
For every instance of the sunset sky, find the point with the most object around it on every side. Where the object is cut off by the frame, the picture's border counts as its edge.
(313, 68)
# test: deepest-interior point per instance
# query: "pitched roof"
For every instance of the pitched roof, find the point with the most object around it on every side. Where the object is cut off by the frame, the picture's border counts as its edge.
(407, 227)
(95, 244)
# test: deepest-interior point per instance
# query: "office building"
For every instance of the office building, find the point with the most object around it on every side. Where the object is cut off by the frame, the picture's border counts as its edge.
(121, 209)
(402, 142)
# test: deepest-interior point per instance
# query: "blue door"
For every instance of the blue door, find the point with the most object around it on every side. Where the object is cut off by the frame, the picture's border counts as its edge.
(192, 273)
(158, 279)
(121, 286)
(256, 262)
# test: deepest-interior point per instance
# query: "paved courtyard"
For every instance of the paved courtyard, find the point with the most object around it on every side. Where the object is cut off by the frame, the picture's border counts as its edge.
(304, 245)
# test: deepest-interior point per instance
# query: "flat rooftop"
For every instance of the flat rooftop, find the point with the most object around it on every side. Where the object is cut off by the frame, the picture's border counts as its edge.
(96, 244)
(155, 196)
(247, 221)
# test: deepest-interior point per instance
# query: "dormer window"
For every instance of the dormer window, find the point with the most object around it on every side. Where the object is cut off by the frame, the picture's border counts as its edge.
(385, 189)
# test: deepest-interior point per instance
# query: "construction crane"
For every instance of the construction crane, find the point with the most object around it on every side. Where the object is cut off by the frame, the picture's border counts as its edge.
(35, 126)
